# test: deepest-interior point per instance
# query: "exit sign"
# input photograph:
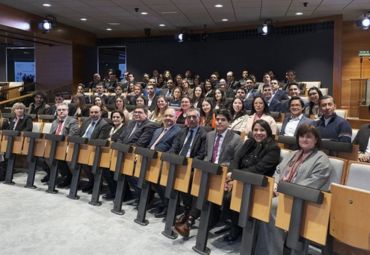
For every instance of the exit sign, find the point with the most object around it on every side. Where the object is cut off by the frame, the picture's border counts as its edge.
(364, 53)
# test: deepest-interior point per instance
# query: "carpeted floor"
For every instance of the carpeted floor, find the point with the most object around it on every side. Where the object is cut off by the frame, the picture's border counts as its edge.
(35, 222)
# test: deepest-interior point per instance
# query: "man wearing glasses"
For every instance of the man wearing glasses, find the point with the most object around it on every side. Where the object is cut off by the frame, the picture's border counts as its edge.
(67, 126)
(138, 132)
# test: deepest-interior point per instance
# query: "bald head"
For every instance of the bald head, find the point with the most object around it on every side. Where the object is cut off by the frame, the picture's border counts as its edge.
(169, 118)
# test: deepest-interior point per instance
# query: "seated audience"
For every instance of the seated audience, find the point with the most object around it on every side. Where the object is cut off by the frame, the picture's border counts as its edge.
(176, 100)
(39, 105)
(277, 92)
(160, 108)
(120, 106)
(118, 90)
(99, 102)
(231, 82)
(151, 96)
(307, 166)
(207, 117)
(293, 91)
(295, 119)
(118, 120)
(312, 109)
(260, 110)
(168, 91)
(219, 99)
(99, 92)
(330, 125)
(197, 97)
(58, 99)
(20, 121)
(260, 154)
(221, 147)
(186, 90)
(239, 116)
(80, 109)
(185, 106)
(273, 103)
(208, 88)
(223, 86)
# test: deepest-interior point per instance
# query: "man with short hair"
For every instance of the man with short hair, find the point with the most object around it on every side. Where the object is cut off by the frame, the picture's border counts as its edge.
(99, 92)
(162, 140)
(295, 119)
(231, 82)
(273, 103)
(39, 105)
(168, 92)
(240, 93)
(95, 127)
(293, 91)
(152, 98)
(229, 92)
(67, 126)
(58, 99)
(278, 93)
(138, 132)
(137, 91)
(118, 90)
(330, 125)
(95, 81)
(221, 146)
(244, 78)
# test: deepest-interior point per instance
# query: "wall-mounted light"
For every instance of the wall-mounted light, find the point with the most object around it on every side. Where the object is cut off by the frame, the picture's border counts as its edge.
(265, 28)
(180, 37)
(47, 23)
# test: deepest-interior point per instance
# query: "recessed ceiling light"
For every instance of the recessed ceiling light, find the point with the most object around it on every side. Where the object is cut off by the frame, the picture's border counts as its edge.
(162, 25)
(108, 29)
(144, 13)
(46, 5)
(113, 23)
(83, 19)
(225, 20)
(219, 6)
(299, 13)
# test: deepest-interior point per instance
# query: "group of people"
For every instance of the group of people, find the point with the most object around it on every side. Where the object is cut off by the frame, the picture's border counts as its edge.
(196, 121)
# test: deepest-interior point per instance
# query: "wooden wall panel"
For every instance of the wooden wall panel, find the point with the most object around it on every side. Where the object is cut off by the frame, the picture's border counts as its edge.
(353, 40)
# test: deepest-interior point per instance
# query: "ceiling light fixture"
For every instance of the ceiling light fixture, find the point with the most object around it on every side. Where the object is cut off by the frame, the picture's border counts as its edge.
(162, 25)
(219, 6)
(265, 28)
(47, 23)
(144, 13)
(364, 22)
(83, 19)
(108, 29)
(299, 13)
(46, 5)
(224, 20)
(180, 37)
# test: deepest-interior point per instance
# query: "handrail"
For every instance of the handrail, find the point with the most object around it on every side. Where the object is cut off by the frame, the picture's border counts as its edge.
(6, 88)
(15, 99)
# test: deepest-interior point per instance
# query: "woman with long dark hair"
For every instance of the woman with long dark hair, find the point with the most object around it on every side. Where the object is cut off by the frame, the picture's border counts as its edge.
(207, 117)
(239, 115)
(313, 107)
(198, 97)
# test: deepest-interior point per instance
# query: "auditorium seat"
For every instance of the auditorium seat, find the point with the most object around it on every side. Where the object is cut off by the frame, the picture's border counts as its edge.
(36, 127)
(342, 113)
(46, 128)
(354, 133)
(358, 175)
(339, 166)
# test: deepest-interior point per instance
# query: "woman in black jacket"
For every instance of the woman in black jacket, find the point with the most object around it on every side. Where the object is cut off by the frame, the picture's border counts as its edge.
(259, 154)
(20, 121)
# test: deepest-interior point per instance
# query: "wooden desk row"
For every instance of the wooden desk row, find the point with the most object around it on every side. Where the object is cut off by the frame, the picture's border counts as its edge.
(251, 195)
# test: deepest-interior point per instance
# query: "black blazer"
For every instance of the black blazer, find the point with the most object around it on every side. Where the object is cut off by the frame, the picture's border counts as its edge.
(101, 130)
(115, 136)
(24, 124)
(259, 158)
(142, 135)
(198, 148)
(362, 137)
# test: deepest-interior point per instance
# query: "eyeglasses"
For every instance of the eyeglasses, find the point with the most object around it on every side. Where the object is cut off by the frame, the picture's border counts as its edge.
(62, 110)
(138, 112)
(192, 117)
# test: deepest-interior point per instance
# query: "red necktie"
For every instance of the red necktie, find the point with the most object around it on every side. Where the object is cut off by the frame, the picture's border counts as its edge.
(59, 128)
(215, 149)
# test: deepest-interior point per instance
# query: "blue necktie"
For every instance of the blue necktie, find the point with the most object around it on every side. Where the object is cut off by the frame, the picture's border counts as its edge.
(90, 130)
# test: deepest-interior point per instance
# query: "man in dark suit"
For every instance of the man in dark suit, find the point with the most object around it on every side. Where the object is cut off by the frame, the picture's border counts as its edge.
(162, 140)
(138, 132)
(295, 119)
(118, 90)
(58, 99)
(152, 97)
(99, 92)
(278, 93)
(67, 126)
(93, 128)
(273, 103)
(221, 146)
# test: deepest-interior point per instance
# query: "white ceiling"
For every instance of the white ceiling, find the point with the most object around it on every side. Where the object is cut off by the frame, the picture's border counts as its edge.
(182, 14)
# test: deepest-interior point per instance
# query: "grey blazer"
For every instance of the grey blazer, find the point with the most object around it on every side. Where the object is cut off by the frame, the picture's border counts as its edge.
(70, 127)
(314, 172)
(230, 145)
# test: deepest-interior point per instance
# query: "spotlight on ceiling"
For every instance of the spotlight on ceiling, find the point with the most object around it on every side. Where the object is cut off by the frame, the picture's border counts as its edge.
(180, 37)
(47, 23)
(265, 28)
(364, 22)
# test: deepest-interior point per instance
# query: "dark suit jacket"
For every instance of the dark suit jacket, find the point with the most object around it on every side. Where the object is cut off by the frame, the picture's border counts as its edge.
(230, 145)
(24, 124)
(275, 105)
(304, 120)
(70, 127)
(167, 140)
(142, 135)
(198, 148)
(281, 95)
(115, 136)
(101, 130)
(362, 137)
(152, 106)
